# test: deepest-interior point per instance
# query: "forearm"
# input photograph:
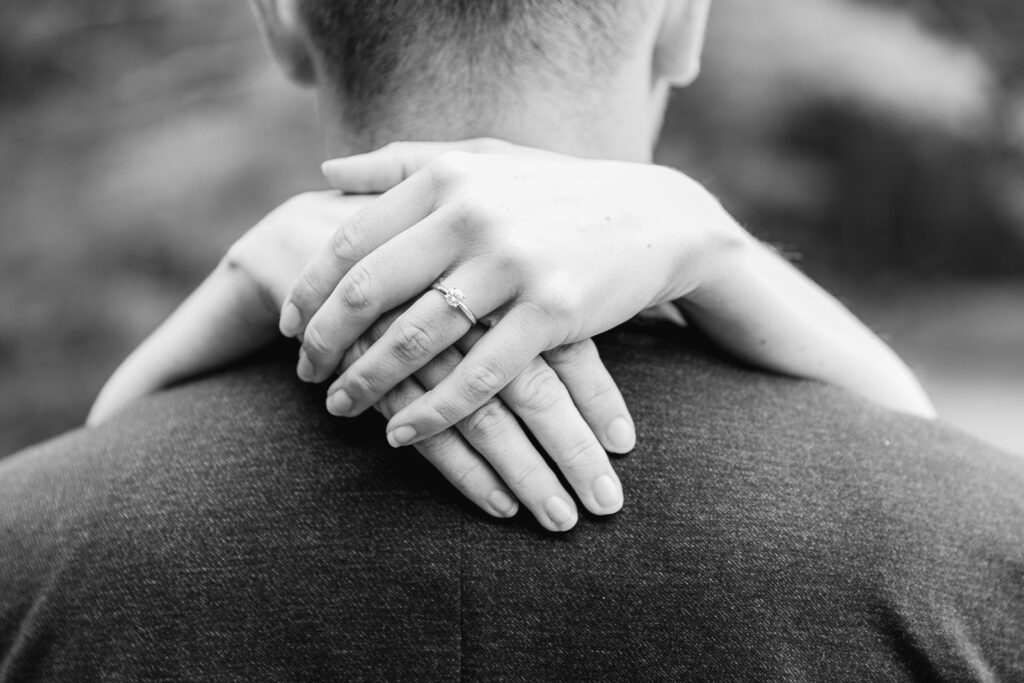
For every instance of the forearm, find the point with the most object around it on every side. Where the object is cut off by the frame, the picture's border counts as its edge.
(225, 318)
(756, 305)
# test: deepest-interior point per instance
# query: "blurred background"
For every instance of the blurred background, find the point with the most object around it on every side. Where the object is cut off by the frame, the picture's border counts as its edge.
(880, 143)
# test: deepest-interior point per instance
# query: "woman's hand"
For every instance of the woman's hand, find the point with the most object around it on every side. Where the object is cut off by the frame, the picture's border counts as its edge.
(563, 401)
(234, 311)
(548, 250)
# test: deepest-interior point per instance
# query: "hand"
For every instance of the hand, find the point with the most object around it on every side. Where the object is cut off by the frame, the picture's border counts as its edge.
(549, 250)
(489, 447)
(233, 313)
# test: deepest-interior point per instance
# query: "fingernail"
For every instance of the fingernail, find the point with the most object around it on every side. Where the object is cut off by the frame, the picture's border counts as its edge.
(502, 503)
(607, 493)
(400, 436)
(305, 368)
(561, 513)
(339, 403)
(621, 435)
(291, 320)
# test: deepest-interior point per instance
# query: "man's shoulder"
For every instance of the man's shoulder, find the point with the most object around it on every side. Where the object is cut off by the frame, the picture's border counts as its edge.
(234, 510)
(255, 409)
(675, 384)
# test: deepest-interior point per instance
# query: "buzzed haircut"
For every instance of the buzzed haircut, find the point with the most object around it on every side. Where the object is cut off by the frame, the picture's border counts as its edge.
(376, 50)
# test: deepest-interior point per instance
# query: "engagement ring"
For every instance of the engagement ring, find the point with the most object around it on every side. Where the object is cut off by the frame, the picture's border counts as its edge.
(454, 297)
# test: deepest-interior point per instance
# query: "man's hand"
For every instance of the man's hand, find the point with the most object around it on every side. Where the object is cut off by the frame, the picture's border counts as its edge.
(490, 447)
(489, 457)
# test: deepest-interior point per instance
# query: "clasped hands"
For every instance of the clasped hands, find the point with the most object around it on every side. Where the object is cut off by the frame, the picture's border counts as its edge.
(549, 251)
(543, 262)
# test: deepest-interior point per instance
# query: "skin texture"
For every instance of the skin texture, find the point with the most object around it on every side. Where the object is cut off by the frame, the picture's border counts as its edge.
(552, 254)
(550, 250)
(234, 312)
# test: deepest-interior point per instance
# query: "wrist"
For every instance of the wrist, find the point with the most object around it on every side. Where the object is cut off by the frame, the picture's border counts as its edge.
(705, 240)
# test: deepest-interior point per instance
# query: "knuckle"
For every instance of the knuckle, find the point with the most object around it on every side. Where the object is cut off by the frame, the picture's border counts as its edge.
(482, 382)
(526, 472)
(556, 302)
(486, 423)
(346, 245)
(603, 390)
(440, 415)
(569, 354)
(307, 293)
(399, 152)
(315, 342)
(464, 472)
(506, 265)
(412, 342)
(361, 384)
(441, 444)
(505, 262)
(579, 452)
(487, 144)
(450, 165)
(536, 392)
(355, 289)
(473, 213)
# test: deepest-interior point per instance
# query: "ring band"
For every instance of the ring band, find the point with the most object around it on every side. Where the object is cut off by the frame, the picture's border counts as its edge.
(454, 297)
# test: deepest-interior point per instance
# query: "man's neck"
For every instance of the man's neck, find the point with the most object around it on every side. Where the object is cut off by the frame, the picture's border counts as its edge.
(622, 126)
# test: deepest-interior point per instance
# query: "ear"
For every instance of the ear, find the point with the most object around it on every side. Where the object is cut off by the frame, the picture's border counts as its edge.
(680, 42)
(286, 38)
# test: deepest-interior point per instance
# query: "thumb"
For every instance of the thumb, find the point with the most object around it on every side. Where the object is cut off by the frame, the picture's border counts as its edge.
(380, 170)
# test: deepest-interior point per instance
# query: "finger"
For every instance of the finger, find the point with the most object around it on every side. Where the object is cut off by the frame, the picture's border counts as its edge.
(501, 354)
(427, 327)
(495, 433)
(496, 436)
(543, 403)
(448, 452)
(458, 463)
(594, 393)
(539, 398)
(384, 168)
(392, 213)
(395, 273)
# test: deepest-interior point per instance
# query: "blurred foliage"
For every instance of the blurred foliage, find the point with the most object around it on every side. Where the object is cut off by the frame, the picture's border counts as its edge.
(48, 44)
(913, 167)
(881, 140)
(993, 27)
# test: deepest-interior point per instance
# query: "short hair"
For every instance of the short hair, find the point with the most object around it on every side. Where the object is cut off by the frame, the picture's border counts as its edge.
(375, 51)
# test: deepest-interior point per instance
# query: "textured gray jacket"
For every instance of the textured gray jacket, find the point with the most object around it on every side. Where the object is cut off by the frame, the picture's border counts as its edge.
(773, 529)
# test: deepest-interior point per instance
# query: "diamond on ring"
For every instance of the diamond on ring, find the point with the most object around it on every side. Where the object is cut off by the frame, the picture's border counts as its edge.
(454, 297)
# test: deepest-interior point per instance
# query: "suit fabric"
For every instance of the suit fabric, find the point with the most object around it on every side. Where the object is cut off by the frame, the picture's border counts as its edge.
(774, 529)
